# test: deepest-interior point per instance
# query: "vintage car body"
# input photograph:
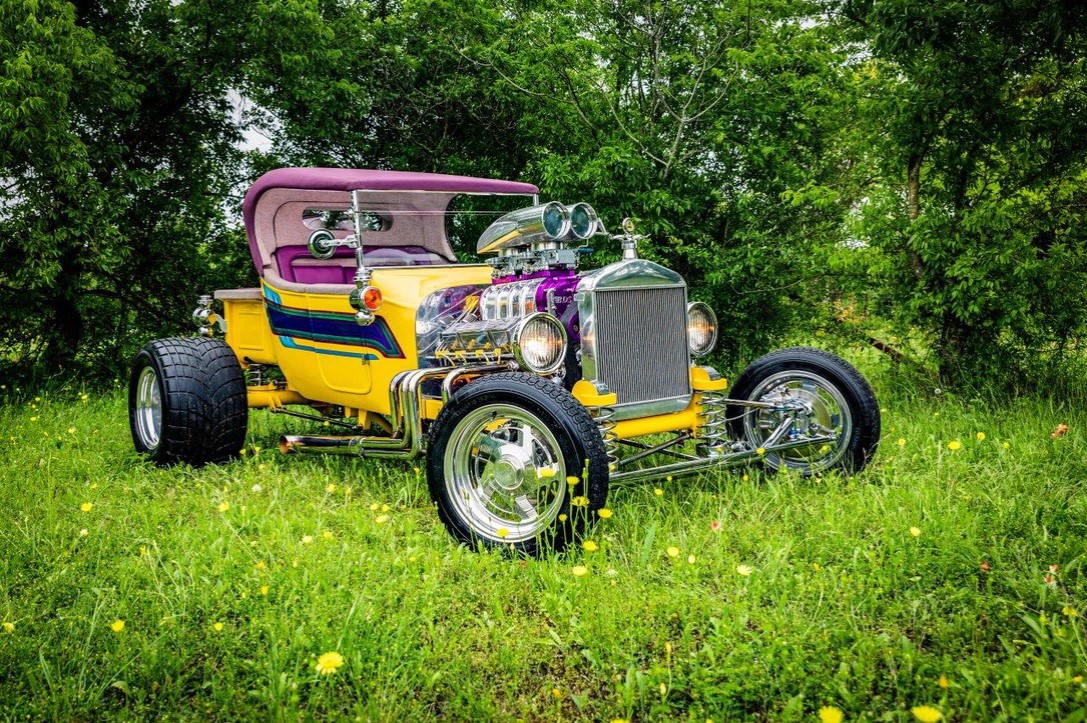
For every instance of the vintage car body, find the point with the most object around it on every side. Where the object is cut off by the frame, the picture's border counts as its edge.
(508, 375)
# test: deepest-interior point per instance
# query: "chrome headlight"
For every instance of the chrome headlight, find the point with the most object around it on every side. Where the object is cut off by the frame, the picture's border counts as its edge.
(539, 343)
(701, 328)
(582, 220)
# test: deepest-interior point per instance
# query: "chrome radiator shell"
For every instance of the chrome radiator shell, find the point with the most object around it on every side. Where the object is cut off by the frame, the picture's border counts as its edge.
(634, 336)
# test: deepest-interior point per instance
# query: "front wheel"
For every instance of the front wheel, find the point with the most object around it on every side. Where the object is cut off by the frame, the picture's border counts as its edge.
(826, 396)
(515, 460)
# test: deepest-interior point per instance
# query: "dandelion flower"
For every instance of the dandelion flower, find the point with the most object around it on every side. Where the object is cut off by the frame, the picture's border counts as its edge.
(261, 565)
(572, 481)
(830, 714)
(329, 663)
(545, 472)
(84, 532)
(374, 506)
(954, 445)
(915, 531)
(327, 534)
(760, 451)
(580, 501)
(257, 488)
(86, 506)
(744, 570)
(980, 436)
(263, 589)
(307, 539)
(1070, 611)
(943, 682)
(1075, 679)
(746, 478)
(331, 488)
(927, 714)
(71, 430)
(381, 519)
(590, 546)
(580, 570)
(224, 506)
(673, 552)
(901, 441)
(658, 492)
(1005, 445)
(502, 532)
(690, 559)
(556, 693)
(9, 627)
(117, 626)
(384, 508)
(218, 627)
(563, 518)
(604, 513)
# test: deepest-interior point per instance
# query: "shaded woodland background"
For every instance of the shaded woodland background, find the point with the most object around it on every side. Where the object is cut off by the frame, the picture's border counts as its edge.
(900, 173)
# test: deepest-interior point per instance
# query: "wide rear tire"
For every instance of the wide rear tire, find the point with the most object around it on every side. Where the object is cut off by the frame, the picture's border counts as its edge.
(498, 459)
(187, 402)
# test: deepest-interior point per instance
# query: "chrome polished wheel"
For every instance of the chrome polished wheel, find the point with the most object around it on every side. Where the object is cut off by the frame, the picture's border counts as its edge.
(816, 407)
(148, 412)
(504, 473)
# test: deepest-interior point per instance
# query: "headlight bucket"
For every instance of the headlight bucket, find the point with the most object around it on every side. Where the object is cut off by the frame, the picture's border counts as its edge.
(538, 343)
(701, 328)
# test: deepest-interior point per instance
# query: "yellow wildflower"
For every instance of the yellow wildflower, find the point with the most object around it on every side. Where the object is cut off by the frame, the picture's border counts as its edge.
(71, 430)
(746, 478)
(218, 627)
(327, 534)
(915, 531)
(590, 546)
(1005, 445)
(261, 565)
(673, 552)
(373, 507)
(830, 714)
(224, 506)
(117, 626)
(572, 481)
(745, 569)
(980, 436)
(901, 441)
(1075, 679)
(604, 513)
(9, 627)
(556, 693)
(84, 532)
(263, 589)
(329, 663)
(580, 570)
(580, 501)
(658, 492)
(307, 539)
(954, 445)
(563, 518)
(690, 559)
(545, 472)
(943, 682)
(331, 488)
(86, 506)
(1070, 611)
(502, 532)
(927, 714)
(760, 451)
(384, 508)
(381, 519)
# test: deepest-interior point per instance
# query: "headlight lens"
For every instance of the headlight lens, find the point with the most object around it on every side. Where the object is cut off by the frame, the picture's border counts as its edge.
(539, 343)
(556, 220)
(582, 220)
(701, 328)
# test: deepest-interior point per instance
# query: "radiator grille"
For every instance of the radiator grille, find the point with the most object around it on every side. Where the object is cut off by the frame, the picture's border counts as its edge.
(641, 343)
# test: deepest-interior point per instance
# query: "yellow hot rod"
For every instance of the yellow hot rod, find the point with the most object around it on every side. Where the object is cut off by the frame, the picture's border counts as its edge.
(529, 384)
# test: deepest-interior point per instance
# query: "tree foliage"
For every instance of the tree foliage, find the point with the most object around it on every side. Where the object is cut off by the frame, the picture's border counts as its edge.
(887, 168)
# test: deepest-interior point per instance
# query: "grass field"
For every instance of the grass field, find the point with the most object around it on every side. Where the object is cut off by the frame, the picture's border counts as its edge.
(940, 577)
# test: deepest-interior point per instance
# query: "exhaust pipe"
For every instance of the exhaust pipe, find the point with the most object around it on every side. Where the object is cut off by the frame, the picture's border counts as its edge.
(314, 444)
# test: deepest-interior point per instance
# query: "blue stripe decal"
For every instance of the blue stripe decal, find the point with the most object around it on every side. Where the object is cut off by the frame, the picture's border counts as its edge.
(332, 327)
(292, 344)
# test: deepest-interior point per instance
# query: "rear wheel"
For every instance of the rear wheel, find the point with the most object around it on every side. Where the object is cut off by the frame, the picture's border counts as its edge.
(499, 457)
(830, 398)
(187, 401)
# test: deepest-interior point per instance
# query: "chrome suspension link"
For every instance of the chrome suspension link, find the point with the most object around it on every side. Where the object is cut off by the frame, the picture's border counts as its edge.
(604, 416)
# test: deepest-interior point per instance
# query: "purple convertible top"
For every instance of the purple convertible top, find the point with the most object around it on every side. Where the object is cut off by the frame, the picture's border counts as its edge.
(348, 179)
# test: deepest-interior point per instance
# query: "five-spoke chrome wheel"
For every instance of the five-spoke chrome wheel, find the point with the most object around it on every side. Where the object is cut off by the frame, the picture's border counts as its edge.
(148, 411)
(807, 406)
(504, 473)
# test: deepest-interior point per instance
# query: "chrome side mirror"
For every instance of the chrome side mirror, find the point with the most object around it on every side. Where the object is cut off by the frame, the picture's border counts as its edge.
(322, 244)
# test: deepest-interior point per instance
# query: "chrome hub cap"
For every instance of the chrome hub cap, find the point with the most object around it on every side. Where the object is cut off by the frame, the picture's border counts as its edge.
(504, 473)
(148, 408)
(816, 408)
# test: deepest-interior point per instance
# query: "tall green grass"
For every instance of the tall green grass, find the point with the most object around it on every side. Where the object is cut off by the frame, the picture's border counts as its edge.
(864, 593)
